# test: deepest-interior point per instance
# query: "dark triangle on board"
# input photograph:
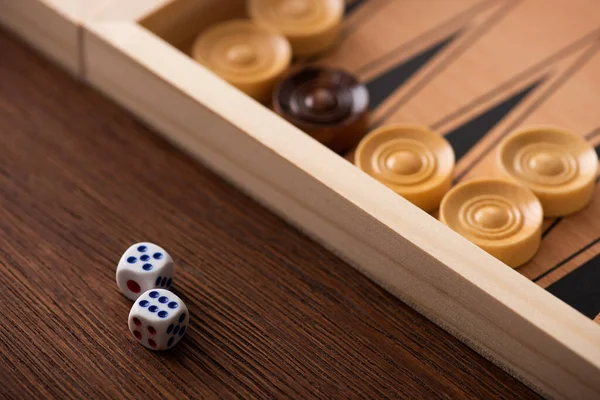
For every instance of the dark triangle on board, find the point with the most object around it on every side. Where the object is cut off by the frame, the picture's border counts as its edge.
(382, 86)
(350, 8)
(581, 288)
(468, 134)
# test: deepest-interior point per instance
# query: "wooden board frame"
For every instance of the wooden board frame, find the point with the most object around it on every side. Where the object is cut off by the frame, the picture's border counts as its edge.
(53, 27)
(510, 320)
(50, 26)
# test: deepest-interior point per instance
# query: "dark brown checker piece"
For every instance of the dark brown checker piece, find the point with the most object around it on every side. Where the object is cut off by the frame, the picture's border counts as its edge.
(331, 105)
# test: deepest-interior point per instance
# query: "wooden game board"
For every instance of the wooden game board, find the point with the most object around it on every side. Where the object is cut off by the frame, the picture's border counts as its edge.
(473, 70)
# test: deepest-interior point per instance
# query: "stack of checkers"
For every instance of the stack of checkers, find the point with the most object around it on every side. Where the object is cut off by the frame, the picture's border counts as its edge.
(255, 55)
(541, 171)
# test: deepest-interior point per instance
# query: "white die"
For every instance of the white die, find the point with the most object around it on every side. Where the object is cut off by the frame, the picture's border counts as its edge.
(158, 319)
(142, 267)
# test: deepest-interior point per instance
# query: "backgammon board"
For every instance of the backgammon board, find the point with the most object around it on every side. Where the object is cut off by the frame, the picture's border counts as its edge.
(475, 71)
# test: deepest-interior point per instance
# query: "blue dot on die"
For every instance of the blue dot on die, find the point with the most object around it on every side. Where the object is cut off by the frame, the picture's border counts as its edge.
(182, 317)
(169, 282)
(163, 299)
(142, 249)
(144, 303)
(163, 314)
(145, 257)
(157, 281)
(182, 331)
(157, 256)
(173, 305)
(131, 260)
(176, 330)
(153, 294)
(147, 267)
(164, 281)
(153, 308)
(170, 329)
(170, 342)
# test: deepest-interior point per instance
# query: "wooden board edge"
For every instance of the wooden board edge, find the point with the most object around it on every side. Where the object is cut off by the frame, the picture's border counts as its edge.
(569, 356)
(132, 10)
(54, 27)
(56, 38)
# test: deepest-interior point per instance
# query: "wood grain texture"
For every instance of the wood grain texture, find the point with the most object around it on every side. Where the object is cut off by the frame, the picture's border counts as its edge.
(273, 314)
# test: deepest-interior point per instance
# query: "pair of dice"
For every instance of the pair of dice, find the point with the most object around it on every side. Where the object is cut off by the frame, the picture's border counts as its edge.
(158, 318)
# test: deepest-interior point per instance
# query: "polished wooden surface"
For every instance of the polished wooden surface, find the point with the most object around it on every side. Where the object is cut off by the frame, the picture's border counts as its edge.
(273, 314)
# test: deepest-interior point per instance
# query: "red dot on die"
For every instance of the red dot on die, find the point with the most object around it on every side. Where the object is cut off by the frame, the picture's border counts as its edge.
(137, 334)
(152, 330)
(152, 343)
(133, 286)
(137, 322)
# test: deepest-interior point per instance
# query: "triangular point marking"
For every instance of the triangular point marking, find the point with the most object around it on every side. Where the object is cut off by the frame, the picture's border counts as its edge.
(466, 136)
(384, 85)
(579, 288)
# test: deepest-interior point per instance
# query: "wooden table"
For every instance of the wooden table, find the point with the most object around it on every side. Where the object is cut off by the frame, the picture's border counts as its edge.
(273, 314)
